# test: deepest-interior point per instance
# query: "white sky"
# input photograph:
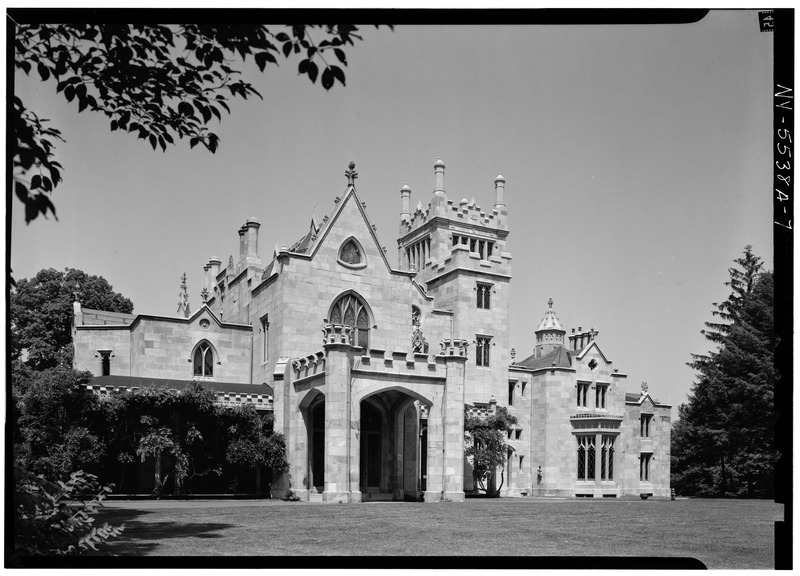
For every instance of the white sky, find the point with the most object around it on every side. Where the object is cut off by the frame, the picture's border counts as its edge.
(637, 164)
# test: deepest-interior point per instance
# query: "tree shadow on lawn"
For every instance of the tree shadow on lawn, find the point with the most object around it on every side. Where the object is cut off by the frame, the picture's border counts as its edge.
(143, 537)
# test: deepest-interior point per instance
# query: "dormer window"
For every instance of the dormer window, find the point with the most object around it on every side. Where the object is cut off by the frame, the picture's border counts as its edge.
(351, 254)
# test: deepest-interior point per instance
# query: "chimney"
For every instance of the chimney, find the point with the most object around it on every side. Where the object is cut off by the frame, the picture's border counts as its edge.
(214, 265)
(251, 243)
(438, 169)
(405, 203)
(242, 246)
(499, 190)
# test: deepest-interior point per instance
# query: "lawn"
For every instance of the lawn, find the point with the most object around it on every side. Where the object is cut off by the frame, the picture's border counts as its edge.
(719, 533)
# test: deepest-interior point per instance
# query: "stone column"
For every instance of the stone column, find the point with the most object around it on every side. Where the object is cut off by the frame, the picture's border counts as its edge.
(446, 429)
(338, 351)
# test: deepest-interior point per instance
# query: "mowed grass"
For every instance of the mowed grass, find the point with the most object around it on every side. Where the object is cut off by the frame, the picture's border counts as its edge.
(719, 533)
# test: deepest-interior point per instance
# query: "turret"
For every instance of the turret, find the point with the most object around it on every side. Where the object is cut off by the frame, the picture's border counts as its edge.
(549, 334)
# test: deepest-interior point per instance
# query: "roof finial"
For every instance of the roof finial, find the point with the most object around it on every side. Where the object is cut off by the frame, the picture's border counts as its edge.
(644, 388)
(183, 297)
(351, 174)
(550, 303)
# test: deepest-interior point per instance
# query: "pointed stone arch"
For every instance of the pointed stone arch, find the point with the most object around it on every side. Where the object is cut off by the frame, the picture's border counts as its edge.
(203, 358)
(351, 309)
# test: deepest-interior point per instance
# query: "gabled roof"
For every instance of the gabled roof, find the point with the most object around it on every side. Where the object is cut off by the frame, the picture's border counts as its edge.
(593, 343)
(558, 358)
(350, 194)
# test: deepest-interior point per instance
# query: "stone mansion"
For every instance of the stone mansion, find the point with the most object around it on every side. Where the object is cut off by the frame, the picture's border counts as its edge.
(369, 367)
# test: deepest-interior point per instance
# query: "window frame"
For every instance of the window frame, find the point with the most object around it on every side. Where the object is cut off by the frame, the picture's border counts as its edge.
(361, 308)
(359, 247)
(205, 349)
(483, 345)
(484, 295)
(265, 339)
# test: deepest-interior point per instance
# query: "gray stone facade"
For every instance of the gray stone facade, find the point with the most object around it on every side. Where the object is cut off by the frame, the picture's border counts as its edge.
(370, 367)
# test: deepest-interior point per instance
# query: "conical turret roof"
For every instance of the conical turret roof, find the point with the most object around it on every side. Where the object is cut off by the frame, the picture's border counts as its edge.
(550, 320)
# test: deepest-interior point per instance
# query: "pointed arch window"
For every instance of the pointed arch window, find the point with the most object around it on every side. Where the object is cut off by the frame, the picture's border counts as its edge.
(351, 254)
(204, 361)
(349, 310)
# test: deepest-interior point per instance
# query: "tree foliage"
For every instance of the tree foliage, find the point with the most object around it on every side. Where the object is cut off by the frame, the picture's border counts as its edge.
(41, 312)
(486, 446)
(59, 425)
(56, 518)
(156, 82)
(723, 441)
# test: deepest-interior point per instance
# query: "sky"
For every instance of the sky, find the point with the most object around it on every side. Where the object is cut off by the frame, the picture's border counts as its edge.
(637, 160)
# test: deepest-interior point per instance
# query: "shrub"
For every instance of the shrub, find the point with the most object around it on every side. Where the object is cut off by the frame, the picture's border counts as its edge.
(56, 518)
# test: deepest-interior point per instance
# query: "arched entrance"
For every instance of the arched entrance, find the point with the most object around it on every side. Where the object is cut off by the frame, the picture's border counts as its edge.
(392, 447)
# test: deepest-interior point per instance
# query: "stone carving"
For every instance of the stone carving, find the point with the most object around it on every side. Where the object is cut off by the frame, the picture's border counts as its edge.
(351, 174)
(418, 343)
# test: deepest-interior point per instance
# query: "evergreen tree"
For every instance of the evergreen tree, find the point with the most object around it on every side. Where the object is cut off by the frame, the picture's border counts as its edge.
(723, 441)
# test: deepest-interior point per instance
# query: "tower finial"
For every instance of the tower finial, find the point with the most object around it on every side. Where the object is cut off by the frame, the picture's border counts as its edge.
(550, 303)
(351, 174)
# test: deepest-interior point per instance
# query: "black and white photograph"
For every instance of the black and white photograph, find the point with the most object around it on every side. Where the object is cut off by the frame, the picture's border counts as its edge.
(451, 288)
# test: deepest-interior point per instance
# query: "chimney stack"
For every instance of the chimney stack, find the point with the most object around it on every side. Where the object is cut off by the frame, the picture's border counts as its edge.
(439, 172)
(242, 246)
(499, 190)
(405, 203)
(251, 243)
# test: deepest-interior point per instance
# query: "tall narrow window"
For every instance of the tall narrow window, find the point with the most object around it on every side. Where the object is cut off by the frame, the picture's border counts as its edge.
(644, 425)
(204, 361)
(351, 311)
(585, 458)
(583, 390)
(644, 467)
(511, 387)
(484, 296)
(607, 458)
(482, 345)
(600, 395)
(265, 338)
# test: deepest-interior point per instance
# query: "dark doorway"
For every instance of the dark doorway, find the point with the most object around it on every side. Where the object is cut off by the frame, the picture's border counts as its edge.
(371, 427)
(318, 446)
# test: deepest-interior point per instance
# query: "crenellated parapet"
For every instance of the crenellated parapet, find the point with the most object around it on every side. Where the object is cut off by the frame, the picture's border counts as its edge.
(454, 347)
(337, 334)
(310, 365)
(481, 409)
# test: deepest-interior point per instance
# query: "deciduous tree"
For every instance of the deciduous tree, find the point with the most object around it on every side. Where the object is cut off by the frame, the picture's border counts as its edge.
(41, 313)
(486, 446)
(157, 82)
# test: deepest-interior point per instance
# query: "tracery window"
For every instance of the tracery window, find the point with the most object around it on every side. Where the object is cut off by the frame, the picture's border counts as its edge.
(351, 311)
(607, 458)
(586, 458)
(204, 361)
(484, 296)
(482, 346)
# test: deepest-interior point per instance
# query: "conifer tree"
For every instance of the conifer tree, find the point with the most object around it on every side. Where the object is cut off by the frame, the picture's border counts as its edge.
(723, 442)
